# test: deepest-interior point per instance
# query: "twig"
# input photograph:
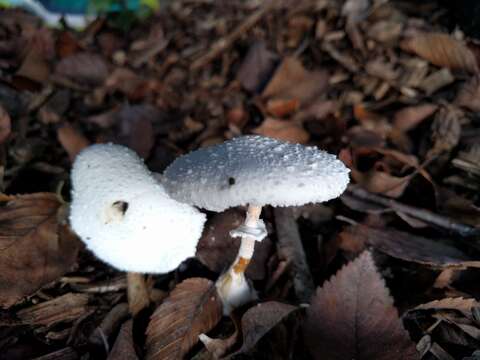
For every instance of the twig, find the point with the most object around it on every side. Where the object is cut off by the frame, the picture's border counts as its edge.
(290, 248)
(109, 324)
(145, 55)
(226, 42)
(421, 214)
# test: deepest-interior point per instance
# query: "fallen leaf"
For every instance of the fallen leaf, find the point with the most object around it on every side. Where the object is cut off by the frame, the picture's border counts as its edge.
(362, 139)
(469, 95)
(452, 320)
(34, 67)
(84, 68)
(408, 160)
(67, 353)
(441, 50)
(371, 120)
(110, 324)
(280, 108)
(461, 304)
(67, 307)
(308, 84)
(297, 28)
(446, 130)
(55, 107)
(436, 81)
(72, 140)
(192, 308)
(124, 347)
(35, 247)
(5, 125)
(67, 44)
(141, 51)
(380, 182)
(256, 67)
(125, 81)
(410, 117)
(283, 130)
(135, 127)
(352, 317)
(408, 247)
(259, 320)
(356, 10)
(386, 31)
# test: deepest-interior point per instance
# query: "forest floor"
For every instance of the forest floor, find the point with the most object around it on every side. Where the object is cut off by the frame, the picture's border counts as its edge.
(390, 270)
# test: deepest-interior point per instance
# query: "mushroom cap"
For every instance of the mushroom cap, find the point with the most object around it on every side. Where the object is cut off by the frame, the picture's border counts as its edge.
(124, 215)
(255, 170)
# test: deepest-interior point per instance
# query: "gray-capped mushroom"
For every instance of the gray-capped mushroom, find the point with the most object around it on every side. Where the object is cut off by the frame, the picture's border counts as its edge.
(254, 171)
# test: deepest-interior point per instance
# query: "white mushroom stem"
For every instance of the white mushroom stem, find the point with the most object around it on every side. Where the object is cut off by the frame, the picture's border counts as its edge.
(233, 287)
(137, 292)
(247, 245)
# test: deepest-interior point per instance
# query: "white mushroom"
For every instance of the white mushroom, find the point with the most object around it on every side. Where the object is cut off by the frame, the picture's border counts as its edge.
(125, 217)
(254, 171)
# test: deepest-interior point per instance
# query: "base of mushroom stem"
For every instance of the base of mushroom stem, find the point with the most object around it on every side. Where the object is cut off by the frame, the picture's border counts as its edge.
(234, 290)
(137, 293)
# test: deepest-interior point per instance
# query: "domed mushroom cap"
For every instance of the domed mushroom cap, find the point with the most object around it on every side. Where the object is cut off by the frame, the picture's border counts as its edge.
(125, 217)
(255, 170)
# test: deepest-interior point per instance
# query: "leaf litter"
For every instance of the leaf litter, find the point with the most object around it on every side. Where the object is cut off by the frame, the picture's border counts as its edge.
(386, 85)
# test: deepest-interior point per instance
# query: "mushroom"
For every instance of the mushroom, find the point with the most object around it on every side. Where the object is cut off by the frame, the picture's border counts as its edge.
(126, 218)
(254, 171)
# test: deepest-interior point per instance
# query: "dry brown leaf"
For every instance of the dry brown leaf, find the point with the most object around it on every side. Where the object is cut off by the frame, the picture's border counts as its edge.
(409, 160)
(35, 248)
(135, 127)
(380, 182)
(453, 319)
(460, 304)
(67, 353)
(446, 130)
(408, 247)
(436, 81)
(84, 68)
(72, 140)
(192, 308)
(110, 324)
(5, 125)
(123, 80)
(256, 67)
(67, 307)
(280, 108)
(469, 95)
(410, 117)
(283, 130)
(34, 67)
(356, 10)
(371, 120)
(298, 27)
(67, 44)
(308, 84)
(441, 50)
(352, 317)
(260, 319)
(124, 347)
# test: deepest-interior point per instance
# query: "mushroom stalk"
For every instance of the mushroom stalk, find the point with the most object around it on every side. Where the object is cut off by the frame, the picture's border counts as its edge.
(232, 286)
(247, 245)
(137, 292)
